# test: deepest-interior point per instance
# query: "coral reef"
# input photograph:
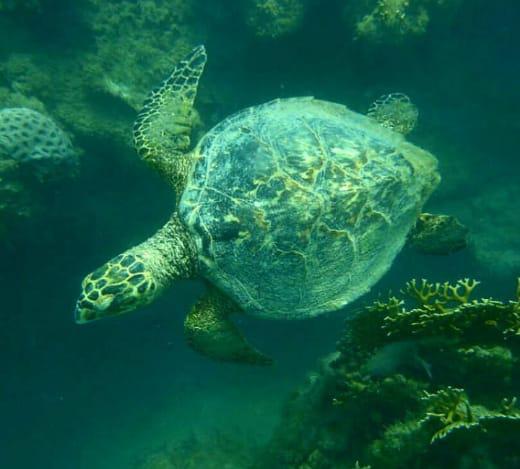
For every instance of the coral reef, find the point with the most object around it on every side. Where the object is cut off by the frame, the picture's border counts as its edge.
(122, 48)
(34, 141)
(10, 98)
(136, 42)
(34, 152)
(274, 18)
(94, 75)
(419, 380)
(424, 382)
(383, 21)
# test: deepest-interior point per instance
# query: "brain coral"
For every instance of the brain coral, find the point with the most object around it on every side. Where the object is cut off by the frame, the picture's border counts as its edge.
(32, 139)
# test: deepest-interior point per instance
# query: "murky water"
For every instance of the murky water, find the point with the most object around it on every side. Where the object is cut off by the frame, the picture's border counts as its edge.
(113, 393)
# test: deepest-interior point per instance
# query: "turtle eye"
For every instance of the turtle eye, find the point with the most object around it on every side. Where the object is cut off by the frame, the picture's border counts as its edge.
(104, 302)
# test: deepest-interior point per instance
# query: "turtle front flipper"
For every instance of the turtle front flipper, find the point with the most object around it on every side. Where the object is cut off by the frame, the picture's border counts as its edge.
(210, 332)
(162, 129)
(137, 276)
(438, 234)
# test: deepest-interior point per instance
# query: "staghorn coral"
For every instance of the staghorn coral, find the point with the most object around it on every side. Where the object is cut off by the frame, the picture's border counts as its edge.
(449, 423)
(446, 309)
(458, 395)
(451, 409)
(438, 293)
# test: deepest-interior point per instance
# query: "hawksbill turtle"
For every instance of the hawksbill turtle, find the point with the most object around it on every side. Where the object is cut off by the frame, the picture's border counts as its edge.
(287, 209)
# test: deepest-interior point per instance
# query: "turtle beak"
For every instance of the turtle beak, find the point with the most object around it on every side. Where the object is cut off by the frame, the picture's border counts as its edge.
(83, 315)
(94, 310)
(77, 315)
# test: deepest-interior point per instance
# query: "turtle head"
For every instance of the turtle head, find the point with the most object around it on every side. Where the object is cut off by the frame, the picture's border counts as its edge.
(119, 286)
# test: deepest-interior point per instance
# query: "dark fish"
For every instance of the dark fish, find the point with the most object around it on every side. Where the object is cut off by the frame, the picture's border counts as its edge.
(397, 357)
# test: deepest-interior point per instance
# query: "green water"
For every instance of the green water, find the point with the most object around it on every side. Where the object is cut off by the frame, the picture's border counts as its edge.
(110, 394)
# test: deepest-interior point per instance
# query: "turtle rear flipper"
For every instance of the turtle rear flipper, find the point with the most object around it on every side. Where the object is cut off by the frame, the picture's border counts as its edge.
(438, 234)
(394, 111)
(162, 129)
(210, 332)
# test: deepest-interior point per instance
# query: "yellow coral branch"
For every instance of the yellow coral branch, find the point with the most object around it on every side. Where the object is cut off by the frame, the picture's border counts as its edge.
(452, 293)
(423, 293)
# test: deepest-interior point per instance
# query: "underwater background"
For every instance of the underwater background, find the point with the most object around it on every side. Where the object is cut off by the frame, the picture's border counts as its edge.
(128, 392)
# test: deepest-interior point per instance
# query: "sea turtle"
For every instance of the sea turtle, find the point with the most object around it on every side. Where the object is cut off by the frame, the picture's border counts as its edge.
(288, 209)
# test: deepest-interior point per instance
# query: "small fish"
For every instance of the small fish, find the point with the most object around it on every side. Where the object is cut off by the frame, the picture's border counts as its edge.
(396, 357)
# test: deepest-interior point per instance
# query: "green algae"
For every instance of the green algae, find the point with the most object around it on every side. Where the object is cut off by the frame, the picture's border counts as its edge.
(395, 21)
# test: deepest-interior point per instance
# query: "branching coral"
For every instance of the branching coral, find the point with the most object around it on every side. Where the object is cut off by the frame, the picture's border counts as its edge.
(449, 423)
(450, 406)
(451, 410)
(442, 293)
(453, 360)
(446, 309)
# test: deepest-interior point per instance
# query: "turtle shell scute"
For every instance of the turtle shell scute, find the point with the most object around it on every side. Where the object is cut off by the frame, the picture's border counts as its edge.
(299, 206)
